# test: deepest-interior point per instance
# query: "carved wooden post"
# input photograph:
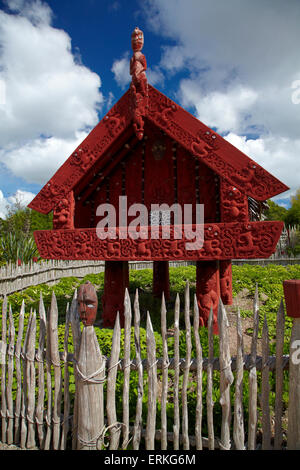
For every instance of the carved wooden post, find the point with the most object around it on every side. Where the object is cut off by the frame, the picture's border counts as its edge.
(226, 281)
(292, 301)
(116, 280)
(161, 283)
(208, 291)
(90, 369)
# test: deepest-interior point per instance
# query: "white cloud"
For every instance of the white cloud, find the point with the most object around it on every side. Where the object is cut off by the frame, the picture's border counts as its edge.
(38, 159)
(37, 12)
(50, 98)
(223, 110)
(155, 76)
(21, 197)
(3, 206)
(120, 69)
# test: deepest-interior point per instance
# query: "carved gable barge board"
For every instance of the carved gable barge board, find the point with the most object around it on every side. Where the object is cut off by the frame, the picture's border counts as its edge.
(212, 149)
(221, 241)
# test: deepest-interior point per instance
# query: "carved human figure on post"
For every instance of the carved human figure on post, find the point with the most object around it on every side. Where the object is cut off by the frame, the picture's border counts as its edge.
(208, 291)
(87, 303)
(138, 63)
(139, 85)
(63, 214)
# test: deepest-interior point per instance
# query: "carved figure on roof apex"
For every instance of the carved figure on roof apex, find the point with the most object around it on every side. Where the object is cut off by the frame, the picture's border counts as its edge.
(138, 64)
(139, 85)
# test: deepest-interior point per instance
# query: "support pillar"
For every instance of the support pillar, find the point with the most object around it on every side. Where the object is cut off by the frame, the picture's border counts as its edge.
(116, 279)
(226, 281)
(208, 291)
(161, 281)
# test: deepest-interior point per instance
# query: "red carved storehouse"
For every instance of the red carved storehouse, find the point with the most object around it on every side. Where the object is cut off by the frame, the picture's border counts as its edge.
(151, 150)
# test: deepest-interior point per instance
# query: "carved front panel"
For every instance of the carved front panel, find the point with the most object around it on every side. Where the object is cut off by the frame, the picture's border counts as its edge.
(221, 241)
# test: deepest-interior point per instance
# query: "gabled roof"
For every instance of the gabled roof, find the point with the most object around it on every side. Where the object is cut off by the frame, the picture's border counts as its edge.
(202, 142)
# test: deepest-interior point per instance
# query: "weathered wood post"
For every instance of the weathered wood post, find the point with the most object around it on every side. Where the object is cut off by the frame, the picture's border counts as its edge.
(90, 369)
(292, 301)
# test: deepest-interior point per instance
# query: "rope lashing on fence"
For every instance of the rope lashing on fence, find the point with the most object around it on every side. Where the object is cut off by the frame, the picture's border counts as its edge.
(182, 360)
(90, 378)
(130, 363)
(39, 358)
(6, 414)
(31, 421)
(114, 365)
(152, 365)
(56, 364)
(40, 423)
(26, 357)
(94, 442)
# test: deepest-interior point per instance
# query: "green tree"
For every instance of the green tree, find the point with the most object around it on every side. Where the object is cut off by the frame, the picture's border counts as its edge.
(16, 233)
(293, 214)
(40, 221)
(275, 212)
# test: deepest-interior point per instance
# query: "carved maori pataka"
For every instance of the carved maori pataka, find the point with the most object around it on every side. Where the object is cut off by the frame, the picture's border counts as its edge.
(202, 142)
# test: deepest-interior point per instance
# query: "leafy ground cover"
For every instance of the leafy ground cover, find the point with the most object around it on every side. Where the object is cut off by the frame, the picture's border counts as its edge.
(268, 278)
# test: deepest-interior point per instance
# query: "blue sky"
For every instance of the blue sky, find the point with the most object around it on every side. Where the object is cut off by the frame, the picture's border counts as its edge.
(234, 65)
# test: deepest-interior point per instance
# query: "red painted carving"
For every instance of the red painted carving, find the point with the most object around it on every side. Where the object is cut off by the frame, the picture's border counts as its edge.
(221, 241)
(234, 207)
(63, 214)
(116, 280)
(226, 281)
(208, 291)
(139, 85)
(161, 284)
(234, 204)
(87, 303)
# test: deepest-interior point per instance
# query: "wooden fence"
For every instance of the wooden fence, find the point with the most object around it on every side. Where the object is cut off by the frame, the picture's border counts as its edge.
(41, 407)
(16, 278)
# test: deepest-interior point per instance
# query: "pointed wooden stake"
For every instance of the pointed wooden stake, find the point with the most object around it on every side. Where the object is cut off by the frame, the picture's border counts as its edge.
(198, 426)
